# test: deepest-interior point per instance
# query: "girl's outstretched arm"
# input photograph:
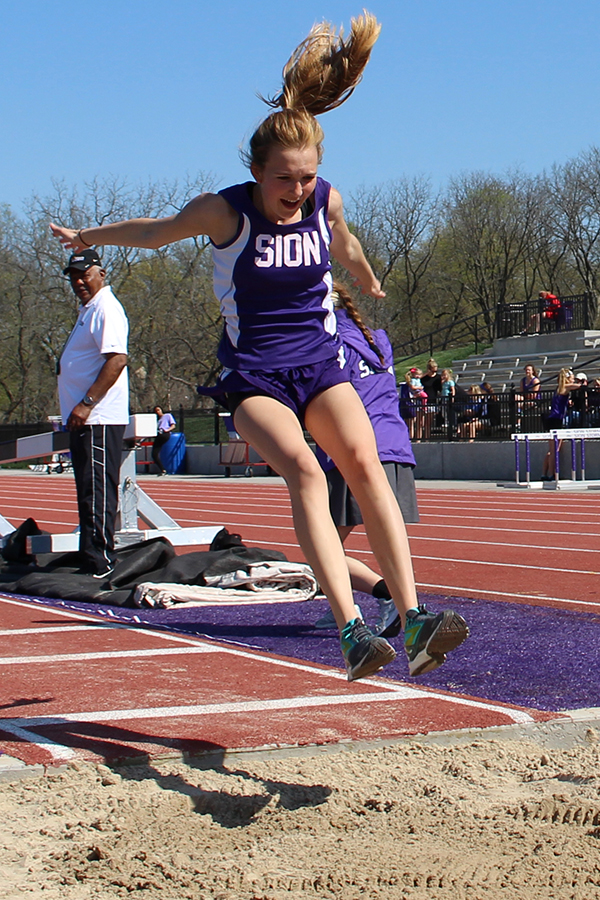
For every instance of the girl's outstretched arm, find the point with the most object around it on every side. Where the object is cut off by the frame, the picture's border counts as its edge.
(207, 214)
(345, 247)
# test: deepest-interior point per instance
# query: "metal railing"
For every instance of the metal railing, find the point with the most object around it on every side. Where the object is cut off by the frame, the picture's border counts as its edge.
(476, 329)
(466, 417)
(493, 417)
(575, 313)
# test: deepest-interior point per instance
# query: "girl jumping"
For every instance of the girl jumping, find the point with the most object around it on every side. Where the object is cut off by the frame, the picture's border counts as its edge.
(283, 367)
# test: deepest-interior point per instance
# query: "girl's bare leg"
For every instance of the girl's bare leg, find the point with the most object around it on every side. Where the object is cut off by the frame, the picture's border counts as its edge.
(275, 433)
(337, 420)
(362, 577)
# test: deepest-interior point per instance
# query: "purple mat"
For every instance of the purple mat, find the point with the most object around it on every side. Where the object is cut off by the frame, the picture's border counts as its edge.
(529, 656)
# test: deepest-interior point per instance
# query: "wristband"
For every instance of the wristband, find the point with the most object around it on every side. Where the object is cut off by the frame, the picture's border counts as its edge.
(88, 401)
(81, 240)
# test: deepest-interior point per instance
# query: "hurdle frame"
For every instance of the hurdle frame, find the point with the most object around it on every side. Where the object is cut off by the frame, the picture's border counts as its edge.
(134, 503)
(557, 435)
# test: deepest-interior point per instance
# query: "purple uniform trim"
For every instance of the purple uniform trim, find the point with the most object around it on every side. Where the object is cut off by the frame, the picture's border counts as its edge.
(559, 405)
(294, 388)
(375, 384)
(273, 283)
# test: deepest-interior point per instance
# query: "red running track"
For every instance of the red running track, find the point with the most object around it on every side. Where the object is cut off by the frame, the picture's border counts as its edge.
(75, 685)
(534, 547)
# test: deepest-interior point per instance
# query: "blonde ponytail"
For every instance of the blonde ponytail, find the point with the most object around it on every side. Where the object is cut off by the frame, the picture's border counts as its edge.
(324, 69)
(320, 75)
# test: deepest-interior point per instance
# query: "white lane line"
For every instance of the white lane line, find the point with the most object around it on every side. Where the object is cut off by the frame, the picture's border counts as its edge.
(245, 706)
(108, 654)
(486, 506)
(472, 562)
(545, 547)
(108, 622)
(56, 751)
(488, 529)
(446, 588)
(52, 629)
(36, 603)
(106, 626)
(517, 519)
(503, 565)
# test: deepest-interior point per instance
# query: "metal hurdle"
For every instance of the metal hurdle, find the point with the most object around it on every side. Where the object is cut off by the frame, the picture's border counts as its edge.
(574, 435)
(134, 503)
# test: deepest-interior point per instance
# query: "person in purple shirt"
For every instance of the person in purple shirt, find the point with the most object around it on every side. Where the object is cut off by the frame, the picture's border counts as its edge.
(164, 426)
(555, 418)
(369, 360)
(273, 239)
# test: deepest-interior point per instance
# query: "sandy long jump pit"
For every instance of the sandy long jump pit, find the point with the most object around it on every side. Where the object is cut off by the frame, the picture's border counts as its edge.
(465, 817)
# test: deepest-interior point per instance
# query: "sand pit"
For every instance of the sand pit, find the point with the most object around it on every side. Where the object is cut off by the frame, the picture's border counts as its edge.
(486, 818)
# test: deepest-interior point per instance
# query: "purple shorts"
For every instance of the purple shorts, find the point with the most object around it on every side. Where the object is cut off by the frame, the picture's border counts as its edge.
(295, 388)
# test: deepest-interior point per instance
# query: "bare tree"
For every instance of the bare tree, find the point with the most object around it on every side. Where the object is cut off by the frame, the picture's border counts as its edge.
(574, 213)
(168, 296)
(397, 226)
(491, 225)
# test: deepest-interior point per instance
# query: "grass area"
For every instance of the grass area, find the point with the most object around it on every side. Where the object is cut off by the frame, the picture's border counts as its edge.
(444, 358)
(23, 464)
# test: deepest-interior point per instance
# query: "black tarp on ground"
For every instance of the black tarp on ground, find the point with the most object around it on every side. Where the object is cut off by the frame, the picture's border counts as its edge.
(57, 575)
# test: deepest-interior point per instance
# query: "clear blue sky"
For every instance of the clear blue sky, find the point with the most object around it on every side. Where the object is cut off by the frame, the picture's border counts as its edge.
(144, 89)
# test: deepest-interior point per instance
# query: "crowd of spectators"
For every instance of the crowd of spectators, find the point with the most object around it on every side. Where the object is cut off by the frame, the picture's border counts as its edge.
(436, 401)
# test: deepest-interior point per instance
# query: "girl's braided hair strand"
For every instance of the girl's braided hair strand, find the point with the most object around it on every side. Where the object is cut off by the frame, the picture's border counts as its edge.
(346, 301)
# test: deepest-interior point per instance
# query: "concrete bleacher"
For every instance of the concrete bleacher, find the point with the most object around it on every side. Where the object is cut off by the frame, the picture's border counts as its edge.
(579, 350)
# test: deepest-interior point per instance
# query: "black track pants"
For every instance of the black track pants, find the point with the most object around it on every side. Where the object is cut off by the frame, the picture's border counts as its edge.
(96, 455)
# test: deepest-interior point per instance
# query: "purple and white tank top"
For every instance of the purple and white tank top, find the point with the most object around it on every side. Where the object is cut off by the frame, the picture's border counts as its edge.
(274, 284)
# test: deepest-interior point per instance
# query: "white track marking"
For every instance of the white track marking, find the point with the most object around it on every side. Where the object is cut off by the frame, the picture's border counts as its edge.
(544, 547)
(108, 654)
(107, 622)
(34, 603)
(465, 593)
(57, 751)
(55, 629)
(488, 529)
(245, 706)
(517, 518)
(472, 562)
(502, 565)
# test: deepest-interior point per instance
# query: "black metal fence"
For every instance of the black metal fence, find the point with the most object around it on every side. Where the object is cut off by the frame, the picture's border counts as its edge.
(494, 417)
(12, 431)
(572, 313)
(466, 417)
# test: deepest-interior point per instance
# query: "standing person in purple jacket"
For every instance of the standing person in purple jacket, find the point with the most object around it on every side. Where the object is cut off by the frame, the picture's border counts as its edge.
(370, 363)
(272, 241)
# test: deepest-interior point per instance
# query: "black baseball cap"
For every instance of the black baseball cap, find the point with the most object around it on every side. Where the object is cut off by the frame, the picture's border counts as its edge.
(83, 260)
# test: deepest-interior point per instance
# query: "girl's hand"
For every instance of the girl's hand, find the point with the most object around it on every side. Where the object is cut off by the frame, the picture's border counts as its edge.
(373, 289)
(69, 238)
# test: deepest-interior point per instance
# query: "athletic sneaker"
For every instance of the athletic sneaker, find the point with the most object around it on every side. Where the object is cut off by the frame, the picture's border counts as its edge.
(328, 620)
(428, 637)
(364, 653)
(105, 574)
(389, 623)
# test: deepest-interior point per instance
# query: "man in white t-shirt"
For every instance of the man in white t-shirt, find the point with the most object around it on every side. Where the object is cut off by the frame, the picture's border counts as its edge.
(94, 404)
